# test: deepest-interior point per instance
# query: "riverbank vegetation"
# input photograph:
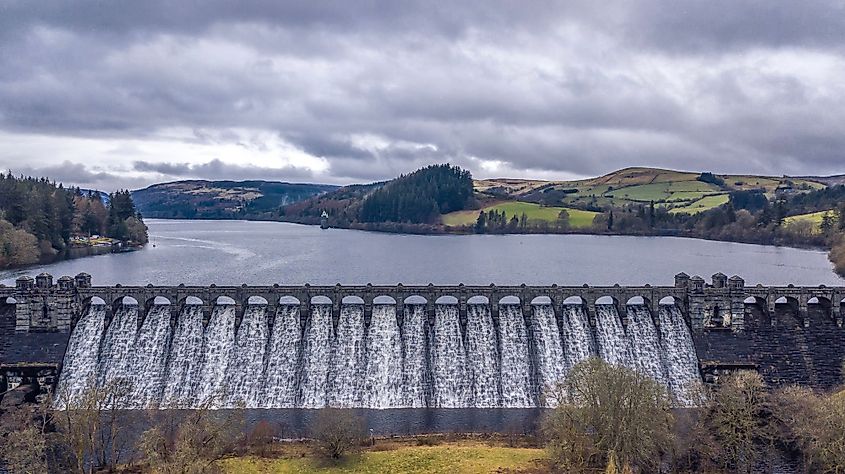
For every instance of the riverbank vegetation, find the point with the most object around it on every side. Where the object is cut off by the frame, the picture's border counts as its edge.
(607, 419)
(41, 220)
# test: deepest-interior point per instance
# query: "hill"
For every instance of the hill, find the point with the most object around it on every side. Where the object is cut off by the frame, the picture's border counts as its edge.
(676, 191)
(199, 199)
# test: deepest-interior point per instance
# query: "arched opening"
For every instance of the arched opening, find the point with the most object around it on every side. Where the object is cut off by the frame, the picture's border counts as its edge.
(352, 300)
(384, 299)
(606, 300)
(510, 299)
(224, 301)
(95, 301)
(289, 300)
(477, 299)
(415, 299)
(12, 301)
(159, 301)
(193, 301)
(541, 301)
(574, 300)
(667, 301)
(257, 301)
(321, 299)
(636, 301)
(446, 300)
(127, 301)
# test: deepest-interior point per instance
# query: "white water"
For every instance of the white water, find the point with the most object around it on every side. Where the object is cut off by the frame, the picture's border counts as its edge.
(246, 378)
(184, 364)
(383, 374)
(283, 356)
(276, 363)
(482, 360)
(515, 359)
(448, 360)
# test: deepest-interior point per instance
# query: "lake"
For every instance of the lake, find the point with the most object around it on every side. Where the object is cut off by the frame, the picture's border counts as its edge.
(197, 252)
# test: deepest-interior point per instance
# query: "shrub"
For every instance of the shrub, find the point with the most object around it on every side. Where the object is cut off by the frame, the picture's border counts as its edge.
(605, 413)
(338, 432)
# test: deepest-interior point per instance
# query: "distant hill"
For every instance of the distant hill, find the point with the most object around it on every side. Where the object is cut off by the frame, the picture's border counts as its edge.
(676, 191)
(200, 199)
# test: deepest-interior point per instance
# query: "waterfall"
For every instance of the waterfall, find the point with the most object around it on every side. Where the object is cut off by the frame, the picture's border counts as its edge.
(246, 377)
(79, 371)
(383, 383)
(679, 355)
(117, 349)
(148, 369)
(347, 358)
(550, 359)
(413, 362)
(482, 360)
(218, 345)
(515, 359)
(315, 356)
(448, 359)
(644, 342)
(283, 356)
(578, 343)
(184, 365)
(415, 380)
(613, 346)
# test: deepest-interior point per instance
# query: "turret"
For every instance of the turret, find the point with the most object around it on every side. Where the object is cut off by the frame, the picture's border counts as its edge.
(65, 283)
(696, 284)
(44, 281)
(25, 283)
(681, 280)
(736, 283)
(720, 280)
(83, 280)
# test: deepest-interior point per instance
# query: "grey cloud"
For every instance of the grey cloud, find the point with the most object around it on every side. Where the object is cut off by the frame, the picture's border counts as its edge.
(578, 87)
(77, 174)
(218, 170)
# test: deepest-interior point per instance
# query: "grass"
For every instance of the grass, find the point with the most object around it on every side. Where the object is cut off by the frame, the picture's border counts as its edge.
(463, 457)
(665, 191)
(577, 218)
(815, 218)
(703, 204)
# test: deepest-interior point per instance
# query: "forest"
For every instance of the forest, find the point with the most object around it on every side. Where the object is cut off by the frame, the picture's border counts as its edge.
(41, 219)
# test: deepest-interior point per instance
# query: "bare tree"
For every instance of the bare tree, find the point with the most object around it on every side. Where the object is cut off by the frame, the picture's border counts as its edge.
(23, 446)
(338, 431)
(605, 413)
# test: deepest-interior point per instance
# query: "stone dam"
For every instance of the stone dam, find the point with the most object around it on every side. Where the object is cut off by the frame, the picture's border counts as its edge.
(383, 347)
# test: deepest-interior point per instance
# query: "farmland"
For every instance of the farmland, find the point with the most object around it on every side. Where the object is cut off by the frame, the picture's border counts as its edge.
(535, 213)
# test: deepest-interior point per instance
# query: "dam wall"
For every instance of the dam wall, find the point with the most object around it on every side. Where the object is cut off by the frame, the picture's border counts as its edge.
(399, 346)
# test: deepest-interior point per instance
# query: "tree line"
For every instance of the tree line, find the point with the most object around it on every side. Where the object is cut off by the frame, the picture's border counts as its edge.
(39, 219)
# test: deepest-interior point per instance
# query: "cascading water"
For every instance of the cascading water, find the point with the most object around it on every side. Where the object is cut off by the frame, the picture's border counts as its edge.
(482, 360)
(283, 358)
(415, 380)
(315, 357)
(448, 360)
(347, 358)
(148, 369)
(613, 346)
(246, 377)
(184, 365)
(515, 360)
(679, 356)
(550, 359)
(117, 348)
(383, 374)
(416, 363)
(578, 343)
(644, 342)
(80, 365)
(218, 348)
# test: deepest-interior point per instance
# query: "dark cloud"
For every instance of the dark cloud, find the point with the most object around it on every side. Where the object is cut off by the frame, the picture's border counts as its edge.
(379, 88)
(218, 170)
(77, 174)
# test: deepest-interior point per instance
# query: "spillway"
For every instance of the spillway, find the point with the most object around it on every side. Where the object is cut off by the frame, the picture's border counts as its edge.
(378, 357)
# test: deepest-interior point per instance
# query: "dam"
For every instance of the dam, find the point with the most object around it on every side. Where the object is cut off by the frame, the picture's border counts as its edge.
(385, 347)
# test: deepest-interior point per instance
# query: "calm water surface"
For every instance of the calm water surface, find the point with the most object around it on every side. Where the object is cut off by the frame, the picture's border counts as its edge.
(236, 252)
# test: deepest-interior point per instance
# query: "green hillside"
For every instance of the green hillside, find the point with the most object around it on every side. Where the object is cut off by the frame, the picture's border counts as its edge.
(535, 213)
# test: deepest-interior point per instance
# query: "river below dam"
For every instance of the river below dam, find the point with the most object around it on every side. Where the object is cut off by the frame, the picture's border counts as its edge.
(202, 252)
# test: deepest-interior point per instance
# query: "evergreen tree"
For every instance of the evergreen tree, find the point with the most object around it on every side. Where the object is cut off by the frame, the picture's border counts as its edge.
(481, 223)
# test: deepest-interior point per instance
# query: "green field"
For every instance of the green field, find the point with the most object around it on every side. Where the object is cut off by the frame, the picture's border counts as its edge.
(815, 218)
(578, 219)
(473, 458)
(703, 204)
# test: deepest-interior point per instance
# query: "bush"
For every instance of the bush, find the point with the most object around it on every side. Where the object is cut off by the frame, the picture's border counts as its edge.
(338, 432)
(608, 415)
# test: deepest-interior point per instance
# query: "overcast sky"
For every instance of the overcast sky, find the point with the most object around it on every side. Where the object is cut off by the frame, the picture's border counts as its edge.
(127, 93)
